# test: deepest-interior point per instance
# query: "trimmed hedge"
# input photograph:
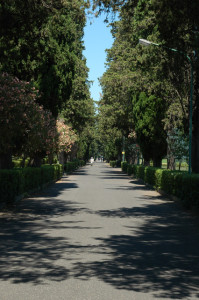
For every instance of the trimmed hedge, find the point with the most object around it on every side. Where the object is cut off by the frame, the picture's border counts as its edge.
(115, 163)
(73, 165)
(176, 183)
(124, 166)
(17, 163)
(16, 182)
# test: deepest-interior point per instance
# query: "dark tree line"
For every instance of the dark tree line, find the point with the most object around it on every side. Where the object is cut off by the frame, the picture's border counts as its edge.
(155, 71)
(41, 42)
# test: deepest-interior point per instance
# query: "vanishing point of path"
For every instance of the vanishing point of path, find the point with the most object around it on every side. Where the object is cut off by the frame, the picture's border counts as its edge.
(98, 235)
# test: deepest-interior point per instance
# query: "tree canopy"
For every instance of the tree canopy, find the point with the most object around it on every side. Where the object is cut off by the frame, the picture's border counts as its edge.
(157, 71)
(41, 42)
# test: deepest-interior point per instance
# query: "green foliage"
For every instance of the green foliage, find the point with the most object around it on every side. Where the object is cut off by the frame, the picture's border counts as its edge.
(24, 126)
(149, 175)
(51, 172)
(176, 183)
(18, 162)
(79, 110)
(71, 166)
(17, 182)
(129, 169)
(188, 190)
(32, 178)
(11, 185)
(178, 145)
(113, 163)
(43, 43)
(148, 116)
(140, 172)
(129, 72)
(124, 166)
(157, 71)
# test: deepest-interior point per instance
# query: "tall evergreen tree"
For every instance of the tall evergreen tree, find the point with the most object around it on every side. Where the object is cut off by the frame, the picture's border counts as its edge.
(175, 25)
(41, 42)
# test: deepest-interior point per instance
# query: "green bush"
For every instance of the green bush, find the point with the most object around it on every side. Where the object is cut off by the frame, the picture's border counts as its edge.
(51, 172)
(176, 183)
(71, 166)
(17, 162)
(11, 184)
(149, 175)
(81, 163)
(16, 182)
(124, 166)
(135, 170)
(140, 172)
(47, 173)
(187, 189)
(158, 179)
(113, 163)
(166, 180)
(32, 178)
(129, 169)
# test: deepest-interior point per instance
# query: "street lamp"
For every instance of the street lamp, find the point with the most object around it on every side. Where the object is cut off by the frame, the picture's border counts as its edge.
(148, 43)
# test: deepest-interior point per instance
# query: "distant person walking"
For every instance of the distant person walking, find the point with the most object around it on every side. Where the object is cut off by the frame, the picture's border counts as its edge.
(92, 161)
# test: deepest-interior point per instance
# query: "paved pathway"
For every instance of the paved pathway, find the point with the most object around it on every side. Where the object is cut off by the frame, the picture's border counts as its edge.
(98, 235)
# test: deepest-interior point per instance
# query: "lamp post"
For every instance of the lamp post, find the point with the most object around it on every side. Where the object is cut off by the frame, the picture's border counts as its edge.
(148, 43)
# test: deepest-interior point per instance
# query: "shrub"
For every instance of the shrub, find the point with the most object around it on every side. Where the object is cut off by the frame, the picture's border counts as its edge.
(140, 172)
(11, 185)
(71, 166)
(176, 183)
(16, 182)
(124, 166)
(129, 170)
(47, 173)
(189, 187)
(135, 170)
(113, 163)
(149, 176)
(32, 178)
(167, 183)
(18, 162)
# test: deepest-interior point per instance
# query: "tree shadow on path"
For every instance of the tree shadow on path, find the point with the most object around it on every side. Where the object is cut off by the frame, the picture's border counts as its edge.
(160, 255)
(29, 248)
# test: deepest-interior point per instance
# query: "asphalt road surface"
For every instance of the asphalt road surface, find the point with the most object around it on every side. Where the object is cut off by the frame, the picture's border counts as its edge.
(98, 235)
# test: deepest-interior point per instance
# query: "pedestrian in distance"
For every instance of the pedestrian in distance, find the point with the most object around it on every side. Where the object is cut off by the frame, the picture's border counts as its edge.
(92, 161)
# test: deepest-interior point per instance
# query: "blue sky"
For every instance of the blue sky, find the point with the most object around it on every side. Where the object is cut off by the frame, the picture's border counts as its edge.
(97, 38)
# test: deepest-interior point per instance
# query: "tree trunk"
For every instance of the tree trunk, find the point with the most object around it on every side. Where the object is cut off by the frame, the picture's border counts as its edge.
(171, 163)
(195, 133)
(157, 162)
(170, 158)
(6, 160)
(61, 157)
(146, 162)
(195, 142)
(36, 161)
(50, 158)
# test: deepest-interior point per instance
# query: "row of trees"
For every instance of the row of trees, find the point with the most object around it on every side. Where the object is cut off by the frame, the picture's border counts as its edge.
(146, 90)
(45, 103)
